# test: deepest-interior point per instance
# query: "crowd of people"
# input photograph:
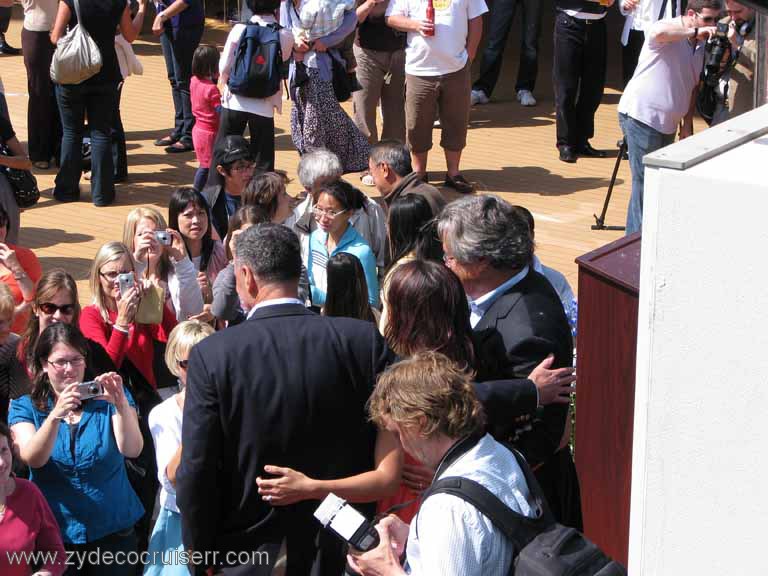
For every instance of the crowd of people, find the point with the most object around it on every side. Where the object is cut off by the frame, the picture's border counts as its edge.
(245, 353)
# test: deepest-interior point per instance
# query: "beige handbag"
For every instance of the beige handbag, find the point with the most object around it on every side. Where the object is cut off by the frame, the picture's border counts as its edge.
(150, 310)
(77, 56)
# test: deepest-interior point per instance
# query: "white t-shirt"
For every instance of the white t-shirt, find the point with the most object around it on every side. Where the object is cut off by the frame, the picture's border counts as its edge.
(446, 51)
(261, 106)
(659, 93)
(165, 426)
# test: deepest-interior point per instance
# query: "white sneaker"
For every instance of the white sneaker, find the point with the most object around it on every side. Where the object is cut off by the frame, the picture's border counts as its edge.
(525, 97)
(478, 97)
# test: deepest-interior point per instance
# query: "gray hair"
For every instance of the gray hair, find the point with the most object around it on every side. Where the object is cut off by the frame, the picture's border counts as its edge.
(394, 154)
(486, 227)
(271, 251)
(319, 164)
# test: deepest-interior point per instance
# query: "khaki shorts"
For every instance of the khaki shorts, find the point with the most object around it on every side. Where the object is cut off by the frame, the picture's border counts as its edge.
(425, 96)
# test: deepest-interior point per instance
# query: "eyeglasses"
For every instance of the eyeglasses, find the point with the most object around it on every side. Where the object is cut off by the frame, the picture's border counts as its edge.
(319, 213)
(242, 167)
(113, 274)
(62, 364)
(706, 19)
(50, 308)
(183, 363)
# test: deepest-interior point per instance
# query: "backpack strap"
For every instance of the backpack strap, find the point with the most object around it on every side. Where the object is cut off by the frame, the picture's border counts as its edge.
(518, 528)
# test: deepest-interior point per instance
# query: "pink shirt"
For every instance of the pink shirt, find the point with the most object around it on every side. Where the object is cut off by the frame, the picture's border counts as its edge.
(29, 526)
(205, 98)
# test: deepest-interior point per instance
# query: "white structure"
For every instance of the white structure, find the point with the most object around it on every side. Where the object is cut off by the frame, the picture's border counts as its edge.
(700, 456)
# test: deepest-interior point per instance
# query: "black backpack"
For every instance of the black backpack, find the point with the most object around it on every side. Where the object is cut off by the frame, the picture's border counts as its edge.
(542, 546)
(258, 67)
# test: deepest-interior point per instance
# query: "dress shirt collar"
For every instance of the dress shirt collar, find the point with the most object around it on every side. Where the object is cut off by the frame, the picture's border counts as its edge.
(478, 307)
(274, 302)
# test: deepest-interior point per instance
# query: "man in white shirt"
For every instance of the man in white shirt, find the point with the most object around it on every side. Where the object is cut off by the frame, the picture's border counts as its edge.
(430, 406)
(438, 57)
(661, 93)
(640, 16)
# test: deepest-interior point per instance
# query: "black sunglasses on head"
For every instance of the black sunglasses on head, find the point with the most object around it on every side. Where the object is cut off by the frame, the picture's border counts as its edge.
(50, 308)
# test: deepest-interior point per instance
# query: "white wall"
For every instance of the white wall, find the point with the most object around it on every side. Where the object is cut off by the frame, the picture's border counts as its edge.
(700, 456)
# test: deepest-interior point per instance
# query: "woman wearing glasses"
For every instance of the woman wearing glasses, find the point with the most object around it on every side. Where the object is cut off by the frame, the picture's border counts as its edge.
(335, 204)
(76, 446)
(110, 323)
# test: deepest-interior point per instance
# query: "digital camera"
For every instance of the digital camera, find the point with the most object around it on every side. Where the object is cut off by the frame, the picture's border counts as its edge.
(164, 237)
(90, 389)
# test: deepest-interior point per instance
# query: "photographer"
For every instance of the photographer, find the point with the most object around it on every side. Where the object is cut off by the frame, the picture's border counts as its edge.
(430, 405)
(672, 58)
(76, 444)
(735, 88)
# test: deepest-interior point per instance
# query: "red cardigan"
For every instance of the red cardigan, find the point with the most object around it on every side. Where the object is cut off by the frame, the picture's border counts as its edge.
(137, 345)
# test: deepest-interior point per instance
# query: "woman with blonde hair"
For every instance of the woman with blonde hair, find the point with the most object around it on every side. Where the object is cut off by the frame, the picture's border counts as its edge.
(165, 425)
(111, 323)
(165, 265)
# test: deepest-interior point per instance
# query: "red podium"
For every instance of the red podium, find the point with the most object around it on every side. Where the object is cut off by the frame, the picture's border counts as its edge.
(605, 396)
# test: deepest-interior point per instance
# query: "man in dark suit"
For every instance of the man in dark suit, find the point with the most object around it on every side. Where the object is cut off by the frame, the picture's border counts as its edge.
(286, 387)
(518, 321)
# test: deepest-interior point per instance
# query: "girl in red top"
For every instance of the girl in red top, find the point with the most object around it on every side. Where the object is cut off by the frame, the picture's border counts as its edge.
(206, 106)
(109, 321)
(19, 270)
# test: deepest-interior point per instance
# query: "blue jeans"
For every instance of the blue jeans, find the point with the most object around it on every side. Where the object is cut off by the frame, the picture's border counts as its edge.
(98, 102)
(500, 22)
(178, 47)
(641, 139)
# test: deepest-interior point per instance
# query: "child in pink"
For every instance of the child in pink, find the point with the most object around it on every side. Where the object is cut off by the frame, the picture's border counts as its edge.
(206, 106)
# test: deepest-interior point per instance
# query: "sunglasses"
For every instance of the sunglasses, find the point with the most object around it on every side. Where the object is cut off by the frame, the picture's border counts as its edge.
(183, 363)
(50, 308)
(706, 19)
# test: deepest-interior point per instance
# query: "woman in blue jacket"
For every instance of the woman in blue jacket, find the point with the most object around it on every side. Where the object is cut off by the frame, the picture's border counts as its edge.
(336, 203)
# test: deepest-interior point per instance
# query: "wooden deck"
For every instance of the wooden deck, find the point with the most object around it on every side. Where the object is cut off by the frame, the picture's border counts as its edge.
(511, 152)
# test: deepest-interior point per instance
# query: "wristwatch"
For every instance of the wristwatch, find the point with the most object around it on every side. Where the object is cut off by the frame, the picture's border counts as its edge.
(162, 15)
(695, 33)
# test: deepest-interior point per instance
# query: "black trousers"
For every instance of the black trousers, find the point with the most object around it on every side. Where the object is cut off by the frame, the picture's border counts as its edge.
(578, 77)
(501, 17)
(5, 19)
(262, 132)
(630, 54)
(43, 124)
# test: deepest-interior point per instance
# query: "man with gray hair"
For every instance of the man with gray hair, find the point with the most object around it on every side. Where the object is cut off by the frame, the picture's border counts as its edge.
(287, 387)
(389, 164)
(318, 168)
(518, 321)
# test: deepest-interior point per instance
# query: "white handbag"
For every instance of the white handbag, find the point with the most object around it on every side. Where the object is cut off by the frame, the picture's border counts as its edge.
(77, 56)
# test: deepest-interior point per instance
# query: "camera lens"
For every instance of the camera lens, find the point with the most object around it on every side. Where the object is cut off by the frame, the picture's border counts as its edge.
(94, 389)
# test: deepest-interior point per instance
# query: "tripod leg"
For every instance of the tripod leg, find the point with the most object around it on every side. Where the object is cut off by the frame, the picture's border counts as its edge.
(600, 221)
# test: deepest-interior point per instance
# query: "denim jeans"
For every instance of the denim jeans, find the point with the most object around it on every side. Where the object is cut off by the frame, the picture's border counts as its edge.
(178, 47)
(500, 22)
(98, 102)
(641, 139)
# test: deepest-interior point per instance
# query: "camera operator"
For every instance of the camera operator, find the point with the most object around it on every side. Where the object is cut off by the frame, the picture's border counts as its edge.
(430, 405)
(735, 89)
(661, 93)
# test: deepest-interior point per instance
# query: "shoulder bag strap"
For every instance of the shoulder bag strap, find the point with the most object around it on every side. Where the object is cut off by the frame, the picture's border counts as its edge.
(664, 9)
(518, 528)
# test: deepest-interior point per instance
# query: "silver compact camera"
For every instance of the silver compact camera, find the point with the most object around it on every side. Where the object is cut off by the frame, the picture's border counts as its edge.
(126, 282)
(164, 237)
(90, 390)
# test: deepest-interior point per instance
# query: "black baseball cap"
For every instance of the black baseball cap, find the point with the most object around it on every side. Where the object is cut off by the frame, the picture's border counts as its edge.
(232, 149)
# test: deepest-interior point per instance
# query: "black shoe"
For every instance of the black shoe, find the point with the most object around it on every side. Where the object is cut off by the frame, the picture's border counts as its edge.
(459, 183)
(567, 154)
(8, 50)
(167, 141)
(179, 147)
(587, 150)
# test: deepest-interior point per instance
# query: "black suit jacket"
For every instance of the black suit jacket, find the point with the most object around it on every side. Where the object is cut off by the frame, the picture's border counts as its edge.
(287, 387)
(517, 332)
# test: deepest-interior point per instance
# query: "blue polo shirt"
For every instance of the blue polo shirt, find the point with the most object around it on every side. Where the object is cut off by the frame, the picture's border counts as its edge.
(87, 488)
